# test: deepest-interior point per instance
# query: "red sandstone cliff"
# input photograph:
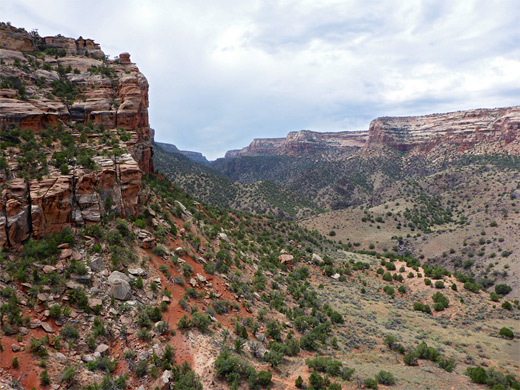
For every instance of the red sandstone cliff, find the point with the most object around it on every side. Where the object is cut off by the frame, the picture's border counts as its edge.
(479, 131)
(58, 82)
(304, 142)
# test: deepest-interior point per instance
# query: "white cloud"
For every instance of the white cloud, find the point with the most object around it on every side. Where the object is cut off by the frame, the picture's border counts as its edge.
(222, 73)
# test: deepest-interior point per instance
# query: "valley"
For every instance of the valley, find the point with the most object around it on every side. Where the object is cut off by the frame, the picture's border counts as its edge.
(385, 258)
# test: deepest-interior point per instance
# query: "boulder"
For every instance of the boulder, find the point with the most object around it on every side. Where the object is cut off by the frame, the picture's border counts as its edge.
(163, 381)
(118, 275)
(120, 289)
(288, 260)
(102, 349)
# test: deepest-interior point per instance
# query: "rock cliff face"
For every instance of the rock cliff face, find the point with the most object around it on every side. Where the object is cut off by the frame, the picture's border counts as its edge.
(481, 130)
(193, 156)
(74, 134)
(304, 142)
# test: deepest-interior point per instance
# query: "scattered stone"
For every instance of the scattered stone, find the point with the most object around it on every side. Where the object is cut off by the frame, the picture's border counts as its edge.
(317, 258)
(65, 254)
(47, 269)
(224, 237)
(260, 337)
(93, 302)
(61, 357)
(35, 324)
(97, 264)
(144, 355)
(23, 330)
(136, 271)
(71, 284)
(47, 327)
(42, 297)
(16, 348)
(102, 349)
(335, 276)
(193, 282)
(163, 381)
(201, 278)
(288, 260)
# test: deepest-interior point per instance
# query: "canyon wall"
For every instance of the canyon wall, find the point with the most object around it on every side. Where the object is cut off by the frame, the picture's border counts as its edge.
(67, 85)
(480, 130)
(303, 143)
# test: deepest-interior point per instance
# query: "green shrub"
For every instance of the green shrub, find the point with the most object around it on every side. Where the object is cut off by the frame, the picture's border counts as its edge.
(494, 297)
(507, 305)
(370, 383)
(264, 378)
(447, 364)
(502, 289)
(385, 378)
(389, 290)
(69, 332)
(418, 306)
(506, 332)
(427, 282)
(411, 359)
(441, 301)
(477, 374)
(439, 284)
(114, 237)
(55, 311)
(45, 380)
(201, 321)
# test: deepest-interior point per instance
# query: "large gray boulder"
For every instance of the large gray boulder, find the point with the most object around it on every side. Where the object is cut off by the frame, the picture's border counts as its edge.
(120, 286)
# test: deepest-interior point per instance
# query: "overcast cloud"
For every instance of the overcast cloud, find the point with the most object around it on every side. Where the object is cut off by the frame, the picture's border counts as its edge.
(223, 72)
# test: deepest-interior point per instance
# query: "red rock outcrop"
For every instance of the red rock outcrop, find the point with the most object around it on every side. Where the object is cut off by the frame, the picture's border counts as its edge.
(111, 93)
(480, 130)
(304, 142)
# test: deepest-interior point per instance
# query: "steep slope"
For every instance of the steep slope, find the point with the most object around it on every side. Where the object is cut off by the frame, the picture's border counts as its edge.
(212, 187)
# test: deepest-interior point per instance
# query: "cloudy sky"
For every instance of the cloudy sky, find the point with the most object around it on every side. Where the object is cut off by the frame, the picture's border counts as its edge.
(223, 72)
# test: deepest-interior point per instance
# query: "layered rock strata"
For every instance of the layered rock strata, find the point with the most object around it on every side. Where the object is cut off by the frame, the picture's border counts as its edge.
(52, 82)
(304, 142)
(490, 130)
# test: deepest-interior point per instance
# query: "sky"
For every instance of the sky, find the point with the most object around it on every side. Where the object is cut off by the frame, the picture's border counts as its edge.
(223, 72)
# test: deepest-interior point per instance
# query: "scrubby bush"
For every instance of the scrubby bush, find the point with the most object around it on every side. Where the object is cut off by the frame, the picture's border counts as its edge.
(411, 358)
(440, 300)
(502, 289)
(418, 306)
(385, 378)
(506, 332)
(370, 383)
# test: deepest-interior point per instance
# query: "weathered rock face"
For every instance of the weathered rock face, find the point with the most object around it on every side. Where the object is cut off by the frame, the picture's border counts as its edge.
(488, 130)
(304, 142)
(108, 97)
(112, 93)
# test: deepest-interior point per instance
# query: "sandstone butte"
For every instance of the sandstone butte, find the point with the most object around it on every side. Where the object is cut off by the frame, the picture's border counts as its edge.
(115, 96)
